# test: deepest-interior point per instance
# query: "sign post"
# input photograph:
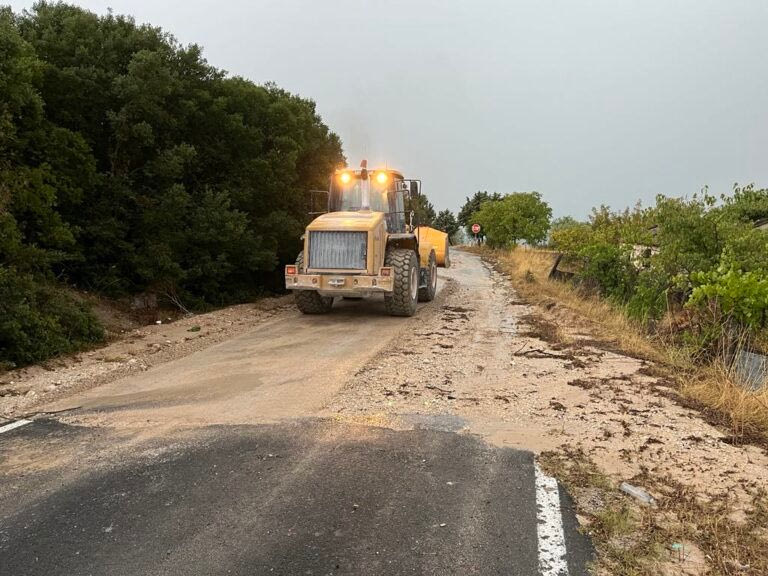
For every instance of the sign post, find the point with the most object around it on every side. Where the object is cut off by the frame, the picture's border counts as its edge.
(476, 231)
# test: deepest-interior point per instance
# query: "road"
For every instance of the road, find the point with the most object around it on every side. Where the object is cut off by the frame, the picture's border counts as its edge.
(270, 453)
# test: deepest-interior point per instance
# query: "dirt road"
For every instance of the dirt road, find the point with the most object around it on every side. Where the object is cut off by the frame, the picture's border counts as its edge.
(343, 444)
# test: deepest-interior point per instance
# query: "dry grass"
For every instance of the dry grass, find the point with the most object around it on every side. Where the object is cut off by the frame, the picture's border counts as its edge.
(745, 411)
(529, 271)
(707, 388)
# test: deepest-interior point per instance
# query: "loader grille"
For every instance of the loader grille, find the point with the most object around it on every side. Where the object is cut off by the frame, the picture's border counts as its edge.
(338, 250)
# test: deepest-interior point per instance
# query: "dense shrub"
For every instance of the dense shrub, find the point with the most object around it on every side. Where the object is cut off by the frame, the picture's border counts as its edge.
(608, 268)
(38, 320)
(649, 299)
(740, 295)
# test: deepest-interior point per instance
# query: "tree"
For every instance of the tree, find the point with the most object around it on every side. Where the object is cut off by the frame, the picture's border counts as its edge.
(423, 211)
(518, 216)
(563, 222)
(472, 206)
(447, 222)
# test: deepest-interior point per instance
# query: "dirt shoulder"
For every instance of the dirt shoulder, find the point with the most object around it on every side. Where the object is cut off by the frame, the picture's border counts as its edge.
(136, 350)
(537, 378)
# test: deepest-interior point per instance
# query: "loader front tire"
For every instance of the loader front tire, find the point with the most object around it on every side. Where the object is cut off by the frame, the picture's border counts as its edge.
(309, 301)
(427, 293)
(405, 282)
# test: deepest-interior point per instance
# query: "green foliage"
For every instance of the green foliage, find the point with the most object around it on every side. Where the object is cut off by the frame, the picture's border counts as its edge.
(446, 222)
(563, 222)
(740, 295)
(570, 238)
(687, 234)
(38, 320)
(746, 249)
(515, 217)
(608, 267)
(648, 301)
(128, 163)
(704, 254)
(423, 211)
(472, 206)
(746, 205)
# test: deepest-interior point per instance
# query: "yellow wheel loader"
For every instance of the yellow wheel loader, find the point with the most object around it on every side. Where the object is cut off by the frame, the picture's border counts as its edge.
(364, 244)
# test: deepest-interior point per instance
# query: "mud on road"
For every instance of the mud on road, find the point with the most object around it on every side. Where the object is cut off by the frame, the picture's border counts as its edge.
(475, 363)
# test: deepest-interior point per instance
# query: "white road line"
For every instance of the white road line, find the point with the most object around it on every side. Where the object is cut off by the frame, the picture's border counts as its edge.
(13, 425)
(552, 552)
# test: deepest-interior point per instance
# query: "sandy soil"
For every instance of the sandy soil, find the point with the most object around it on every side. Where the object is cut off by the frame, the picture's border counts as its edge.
(22, 391)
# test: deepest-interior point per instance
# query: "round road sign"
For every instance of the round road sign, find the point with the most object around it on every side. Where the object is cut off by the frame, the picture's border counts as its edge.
(475, 228)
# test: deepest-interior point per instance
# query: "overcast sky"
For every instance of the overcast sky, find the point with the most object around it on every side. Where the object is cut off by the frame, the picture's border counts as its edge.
(587, 102)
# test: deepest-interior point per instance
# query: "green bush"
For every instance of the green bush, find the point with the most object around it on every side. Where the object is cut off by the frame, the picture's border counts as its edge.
(609, 269)
(648, 301)
(732, 293)
(38, 320)
(571, 238)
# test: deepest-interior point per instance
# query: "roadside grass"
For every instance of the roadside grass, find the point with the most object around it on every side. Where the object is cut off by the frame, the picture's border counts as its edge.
(706, 387)
(681, 534)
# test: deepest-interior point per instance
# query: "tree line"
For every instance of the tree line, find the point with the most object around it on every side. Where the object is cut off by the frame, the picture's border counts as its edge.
(129, 164)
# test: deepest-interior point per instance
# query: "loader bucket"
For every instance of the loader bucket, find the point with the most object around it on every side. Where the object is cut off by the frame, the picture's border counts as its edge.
(439, 241)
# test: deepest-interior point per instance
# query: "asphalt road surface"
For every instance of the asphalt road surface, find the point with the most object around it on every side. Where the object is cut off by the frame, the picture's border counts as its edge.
(226, 462)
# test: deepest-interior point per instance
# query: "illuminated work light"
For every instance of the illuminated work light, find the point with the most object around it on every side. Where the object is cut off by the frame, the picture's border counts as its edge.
(290, 270)
(345, 177)
(381, 177)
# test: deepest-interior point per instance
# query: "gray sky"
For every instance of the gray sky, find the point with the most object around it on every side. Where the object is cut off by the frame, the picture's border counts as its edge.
(587, 102)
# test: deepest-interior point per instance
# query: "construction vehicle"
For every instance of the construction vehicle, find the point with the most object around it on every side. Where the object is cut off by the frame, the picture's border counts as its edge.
(365, 243)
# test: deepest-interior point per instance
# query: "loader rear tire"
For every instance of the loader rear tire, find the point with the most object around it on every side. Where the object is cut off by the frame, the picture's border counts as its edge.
(309, 301)
(427, 293)
(405, 280)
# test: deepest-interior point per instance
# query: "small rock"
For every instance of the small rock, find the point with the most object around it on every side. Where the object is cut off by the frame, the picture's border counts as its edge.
(158, 322)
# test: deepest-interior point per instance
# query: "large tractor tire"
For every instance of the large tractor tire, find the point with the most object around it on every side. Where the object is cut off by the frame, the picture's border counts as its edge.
(309, 301)
(405, 279)
(427, 293)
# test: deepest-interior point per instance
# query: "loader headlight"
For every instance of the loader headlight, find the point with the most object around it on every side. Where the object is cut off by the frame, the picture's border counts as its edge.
(345, 177)
(381, 177)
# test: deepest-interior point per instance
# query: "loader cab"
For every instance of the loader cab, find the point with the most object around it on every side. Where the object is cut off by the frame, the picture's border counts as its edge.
(375, 190)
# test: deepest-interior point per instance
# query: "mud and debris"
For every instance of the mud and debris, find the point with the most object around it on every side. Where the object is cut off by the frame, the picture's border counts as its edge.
(137, 350)
(548, 385)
